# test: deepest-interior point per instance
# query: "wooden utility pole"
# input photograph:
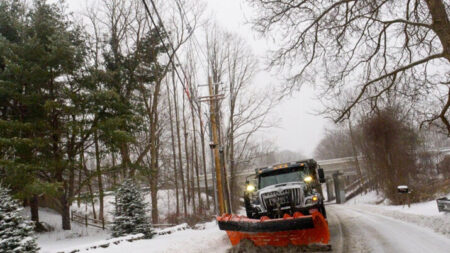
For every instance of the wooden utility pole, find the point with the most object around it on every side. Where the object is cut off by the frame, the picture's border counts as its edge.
(215, 146)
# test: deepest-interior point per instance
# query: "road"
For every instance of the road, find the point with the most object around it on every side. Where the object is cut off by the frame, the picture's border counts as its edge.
(357, 230)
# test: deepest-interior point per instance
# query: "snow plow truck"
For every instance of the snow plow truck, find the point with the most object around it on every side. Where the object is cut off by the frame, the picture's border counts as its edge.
(284, 206)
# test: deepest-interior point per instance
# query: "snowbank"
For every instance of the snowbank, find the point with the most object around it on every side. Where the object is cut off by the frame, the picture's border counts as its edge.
(424, 214)
(206, 239)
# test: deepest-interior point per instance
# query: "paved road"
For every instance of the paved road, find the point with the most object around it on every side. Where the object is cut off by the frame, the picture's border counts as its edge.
(357, 230)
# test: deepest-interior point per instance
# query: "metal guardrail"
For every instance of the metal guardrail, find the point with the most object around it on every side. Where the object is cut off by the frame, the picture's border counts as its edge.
(443, 204)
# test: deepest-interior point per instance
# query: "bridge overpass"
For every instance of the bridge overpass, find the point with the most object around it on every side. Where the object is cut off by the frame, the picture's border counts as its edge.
(345, 165)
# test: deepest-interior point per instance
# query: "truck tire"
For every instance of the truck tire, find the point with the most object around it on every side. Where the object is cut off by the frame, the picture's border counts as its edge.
(322, 210)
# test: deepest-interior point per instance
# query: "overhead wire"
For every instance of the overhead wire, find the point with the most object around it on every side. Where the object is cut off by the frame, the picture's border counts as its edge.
(173, 57)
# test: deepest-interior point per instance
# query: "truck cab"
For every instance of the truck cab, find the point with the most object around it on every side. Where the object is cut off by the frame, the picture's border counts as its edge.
(285, 189)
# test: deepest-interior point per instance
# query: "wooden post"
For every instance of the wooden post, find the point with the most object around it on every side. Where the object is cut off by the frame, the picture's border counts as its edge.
(216, 148)
(86, 219)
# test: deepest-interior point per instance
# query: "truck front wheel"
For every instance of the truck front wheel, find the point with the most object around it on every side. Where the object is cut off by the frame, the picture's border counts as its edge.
(322, 210)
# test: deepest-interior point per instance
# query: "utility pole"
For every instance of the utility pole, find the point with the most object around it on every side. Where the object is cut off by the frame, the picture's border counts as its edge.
(215, 144)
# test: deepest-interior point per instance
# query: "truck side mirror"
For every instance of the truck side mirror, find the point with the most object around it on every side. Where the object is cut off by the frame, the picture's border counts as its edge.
(321, 175)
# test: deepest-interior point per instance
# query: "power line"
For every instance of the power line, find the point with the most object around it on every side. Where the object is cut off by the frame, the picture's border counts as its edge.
(171, 57)
(184, 16)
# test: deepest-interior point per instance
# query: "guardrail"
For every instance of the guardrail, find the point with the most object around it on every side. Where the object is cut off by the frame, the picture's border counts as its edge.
(443, 204)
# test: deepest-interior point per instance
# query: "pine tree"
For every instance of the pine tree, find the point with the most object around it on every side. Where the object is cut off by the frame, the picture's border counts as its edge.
(129, 215)
(42, 55)
(16, 233)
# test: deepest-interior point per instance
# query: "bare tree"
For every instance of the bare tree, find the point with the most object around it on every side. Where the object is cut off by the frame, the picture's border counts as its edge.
(336, 143)
(245, 108)
(390, 145)
(367, 46)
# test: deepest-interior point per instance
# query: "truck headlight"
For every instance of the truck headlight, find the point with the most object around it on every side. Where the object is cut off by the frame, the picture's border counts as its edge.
(250, 188)
(308, 179)
(311, 200)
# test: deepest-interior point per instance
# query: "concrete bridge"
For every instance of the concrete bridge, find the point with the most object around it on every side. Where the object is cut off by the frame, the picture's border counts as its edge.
(346, 165)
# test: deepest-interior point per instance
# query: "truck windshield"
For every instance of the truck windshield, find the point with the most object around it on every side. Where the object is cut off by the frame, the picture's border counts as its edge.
(280, 177)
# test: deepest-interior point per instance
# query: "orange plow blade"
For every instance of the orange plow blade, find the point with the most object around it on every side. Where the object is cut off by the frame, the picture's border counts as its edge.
(298, 229)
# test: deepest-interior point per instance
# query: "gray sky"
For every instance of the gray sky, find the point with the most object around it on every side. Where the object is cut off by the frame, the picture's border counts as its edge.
(299, 129)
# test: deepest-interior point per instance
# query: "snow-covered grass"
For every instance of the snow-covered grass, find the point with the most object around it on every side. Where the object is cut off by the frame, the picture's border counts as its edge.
(53, 241)
(206, 239)
(57, 240)
(424, 214)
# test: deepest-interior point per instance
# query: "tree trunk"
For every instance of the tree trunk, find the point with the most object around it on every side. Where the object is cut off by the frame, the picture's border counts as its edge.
(65, 212)
(179, 148)
(186, 151)
(194, 209)
(440, 24)
(355, 154)
(34, 208)
(91, 195)
(99, 175)
(174, 153)
(202, 139)
(200, 203)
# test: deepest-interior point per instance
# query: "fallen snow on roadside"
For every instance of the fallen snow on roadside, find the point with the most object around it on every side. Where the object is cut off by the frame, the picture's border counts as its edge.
(209, 239)
(368, 231)
(423, 214)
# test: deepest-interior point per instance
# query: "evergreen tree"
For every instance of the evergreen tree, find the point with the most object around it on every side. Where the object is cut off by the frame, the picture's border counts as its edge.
(130, 216)
(16, 233)
(41, 57)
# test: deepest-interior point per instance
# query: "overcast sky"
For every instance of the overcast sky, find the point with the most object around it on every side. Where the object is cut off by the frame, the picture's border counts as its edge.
(299, 129)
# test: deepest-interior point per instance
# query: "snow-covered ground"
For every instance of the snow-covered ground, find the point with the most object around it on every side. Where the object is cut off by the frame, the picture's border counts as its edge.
(358, 226)
(365, 230)
(80, 235)
(206, 239)
(58, 239)
(166, 204)
(424, 214)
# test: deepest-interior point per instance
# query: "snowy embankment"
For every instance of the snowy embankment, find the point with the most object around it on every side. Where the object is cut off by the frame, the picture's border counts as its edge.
(204, 238)
(166, 205)
(58, 239)
(424, 214)
(82, 237)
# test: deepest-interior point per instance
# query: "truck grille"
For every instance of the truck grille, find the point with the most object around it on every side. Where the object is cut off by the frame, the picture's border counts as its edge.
(271, 199)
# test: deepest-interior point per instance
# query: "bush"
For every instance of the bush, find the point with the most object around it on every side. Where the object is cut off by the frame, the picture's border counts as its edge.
(16, 233)
(130, 216)
(389, 144)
